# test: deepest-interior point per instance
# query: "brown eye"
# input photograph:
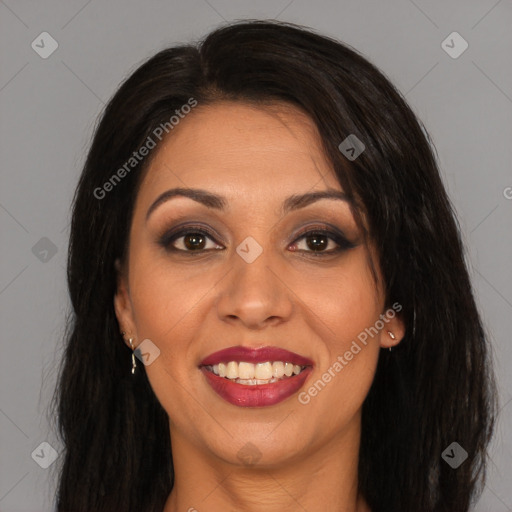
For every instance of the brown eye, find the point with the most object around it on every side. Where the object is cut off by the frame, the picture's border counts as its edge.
(189, 240)
(193, 241)
(317, 241)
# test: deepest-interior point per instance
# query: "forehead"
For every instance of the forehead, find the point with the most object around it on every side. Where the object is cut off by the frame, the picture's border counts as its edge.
(232, 147)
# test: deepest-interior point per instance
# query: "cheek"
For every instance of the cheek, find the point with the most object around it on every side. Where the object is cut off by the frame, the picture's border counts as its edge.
(337, 392)
(165, 296)
(343, 306)
(167, 303)
(343, 299)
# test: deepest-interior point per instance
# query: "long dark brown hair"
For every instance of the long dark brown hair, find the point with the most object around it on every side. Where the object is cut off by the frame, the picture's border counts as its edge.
(435, 388)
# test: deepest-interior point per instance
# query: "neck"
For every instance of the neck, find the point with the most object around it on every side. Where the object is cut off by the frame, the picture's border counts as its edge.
(323, 475)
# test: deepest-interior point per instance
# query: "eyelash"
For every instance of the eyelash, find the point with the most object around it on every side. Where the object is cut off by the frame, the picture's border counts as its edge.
(168, 238)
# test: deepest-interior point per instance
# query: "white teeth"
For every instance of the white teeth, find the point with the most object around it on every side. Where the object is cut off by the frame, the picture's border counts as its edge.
(277, 369)
(259, 373)
(263, 371)
(232, 370)
(245, 371)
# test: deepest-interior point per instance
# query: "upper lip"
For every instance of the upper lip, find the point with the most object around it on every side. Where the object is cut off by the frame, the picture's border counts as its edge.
(255, 355)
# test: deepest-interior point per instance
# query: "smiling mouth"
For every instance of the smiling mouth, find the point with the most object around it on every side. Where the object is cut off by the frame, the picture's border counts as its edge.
(250, 374)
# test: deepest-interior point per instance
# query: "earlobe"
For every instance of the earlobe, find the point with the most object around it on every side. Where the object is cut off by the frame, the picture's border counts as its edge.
(393, 332)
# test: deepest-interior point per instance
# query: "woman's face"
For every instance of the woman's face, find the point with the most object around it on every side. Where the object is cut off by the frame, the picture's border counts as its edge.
(254, 281)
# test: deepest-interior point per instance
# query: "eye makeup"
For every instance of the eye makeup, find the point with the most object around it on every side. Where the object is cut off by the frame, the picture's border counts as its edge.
(192, 237)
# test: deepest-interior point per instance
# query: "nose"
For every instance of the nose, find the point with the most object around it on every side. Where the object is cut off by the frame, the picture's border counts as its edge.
(255, 294)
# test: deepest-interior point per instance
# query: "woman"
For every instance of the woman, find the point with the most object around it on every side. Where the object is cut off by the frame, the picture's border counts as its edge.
(271, 305)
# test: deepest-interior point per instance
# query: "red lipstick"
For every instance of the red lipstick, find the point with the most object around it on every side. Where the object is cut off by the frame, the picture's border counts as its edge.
(259, 395)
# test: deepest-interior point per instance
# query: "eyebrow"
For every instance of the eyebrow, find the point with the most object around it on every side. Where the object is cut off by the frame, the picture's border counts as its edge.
(216, 202)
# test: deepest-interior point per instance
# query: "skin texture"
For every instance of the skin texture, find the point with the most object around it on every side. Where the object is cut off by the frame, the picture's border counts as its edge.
(191, 306)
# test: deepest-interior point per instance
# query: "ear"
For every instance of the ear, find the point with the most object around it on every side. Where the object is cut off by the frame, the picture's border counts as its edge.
(123, 305)
(394, 325)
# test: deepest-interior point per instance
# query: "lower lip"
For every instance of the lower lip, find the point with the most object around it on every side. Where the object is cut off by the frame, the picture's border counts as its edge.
(260, 395)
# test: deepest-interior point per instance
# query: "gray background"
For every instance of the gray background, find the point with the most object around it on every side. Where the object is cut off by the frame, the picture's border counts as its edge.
(49, 107)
